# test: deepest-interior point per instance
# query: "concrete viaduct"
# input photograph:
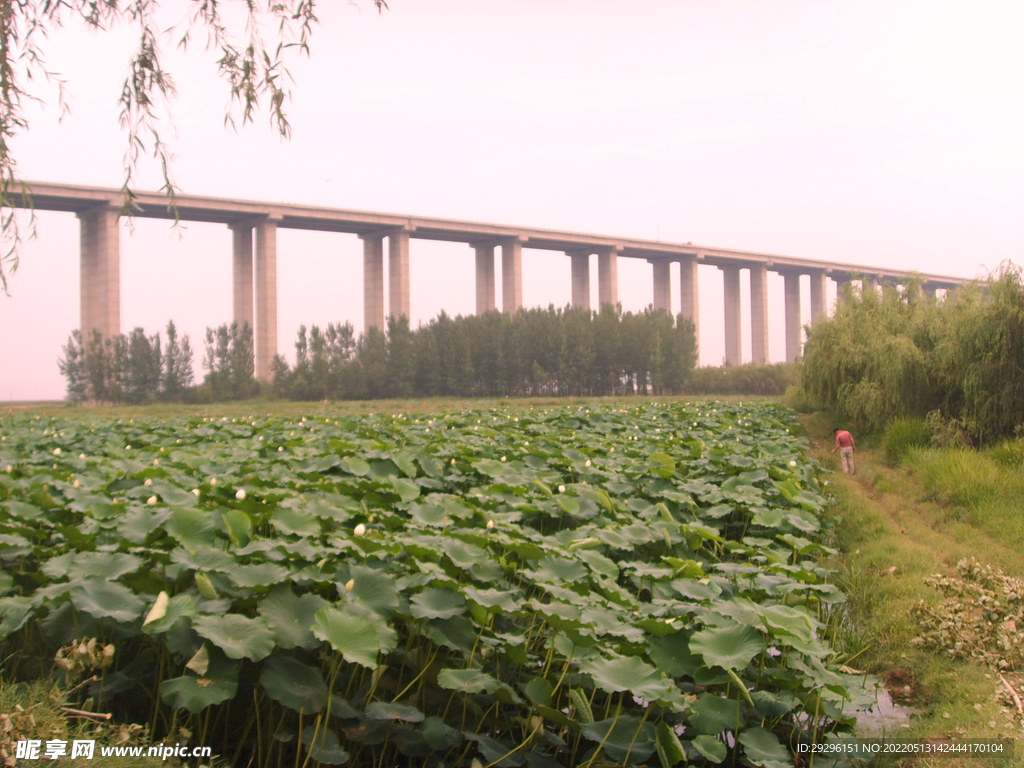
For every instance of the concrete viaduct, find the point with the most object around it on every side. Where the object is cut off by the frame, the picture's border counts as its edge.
(254, 227)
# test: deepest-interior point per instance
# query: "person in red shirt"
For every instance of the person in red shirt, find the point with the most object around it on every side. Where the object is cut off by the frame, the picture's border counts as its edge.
(845, 445)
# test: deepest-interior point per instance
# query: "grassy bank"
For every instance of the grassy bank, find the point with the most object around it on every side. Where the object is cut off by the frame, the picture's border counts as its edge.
(896, 528)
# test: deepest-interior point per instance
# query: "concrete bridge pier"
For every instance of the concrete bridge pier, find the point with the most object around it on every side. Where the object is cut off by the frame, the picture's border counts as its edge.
(398, 273)
(266, 296)
(607, 277)
(512, 275)
(731, 285)
(759, 314)
(241, 274)
(819, 296)
(580, 279)
(689, 296)
(662, 284)
(100, 276)
(373, 280)
(485, 301)
(792, 294)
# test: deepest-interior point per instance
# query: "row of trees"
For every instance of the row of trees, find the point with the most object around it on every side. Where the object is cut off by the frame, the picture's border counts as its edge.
(127, 369)
(533, 352)
(138, 369)
(889, 355)
(548, 352)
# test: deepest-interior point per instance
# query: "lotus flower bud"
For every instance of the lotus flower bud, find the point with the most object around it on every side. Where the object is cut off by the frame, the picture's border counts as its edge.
(360, 530)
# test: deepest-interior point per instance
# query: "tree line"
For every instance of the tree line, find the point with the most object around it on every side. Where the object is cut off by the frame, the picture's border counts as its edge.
(547, 352)
(900, 354)
(534, 352)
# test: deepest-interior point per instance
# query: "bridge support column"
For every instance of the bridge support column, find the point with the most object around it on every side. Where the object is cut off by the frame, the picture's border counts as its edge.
(759, 314)
(689, 295)
(373, 281)
(266, 296)
(608, 277)
(580, 279)
(100, 275)
(484, 278)
(241, 275)
(511, 276)
(398, 274)
(819, 297)
(662, 284)
(792, 283)
(731, 284)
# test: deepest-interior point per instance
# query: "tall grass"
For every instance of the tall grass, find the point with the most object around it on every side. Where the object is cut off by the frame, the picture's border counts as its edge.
(990, 491)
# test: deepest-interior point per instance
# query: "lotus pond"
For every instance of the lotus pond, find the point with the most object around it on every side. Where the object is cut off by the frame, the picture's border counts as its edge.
(563, 586)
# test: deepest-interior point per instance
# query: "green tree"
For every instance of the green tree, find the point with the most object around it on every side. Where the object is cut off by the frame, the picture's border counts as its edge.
(72, 368)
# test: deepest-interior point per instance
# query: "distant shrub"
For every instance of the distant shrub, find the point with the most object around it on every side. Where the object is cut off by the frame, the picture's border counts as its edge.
(797, 399)
(902, 435)
(1009, 453)
(748, 379)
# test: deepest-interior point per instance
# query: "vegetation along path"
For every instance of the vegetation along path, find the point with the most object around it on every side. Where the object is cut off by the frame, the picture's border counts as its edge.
(948, 647)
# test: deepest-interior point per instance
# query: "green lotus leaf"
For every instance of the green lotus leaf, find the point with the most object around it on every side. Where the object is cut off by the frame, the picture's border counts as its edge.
(238, 527)
(493, 599)
(439, 735)
(14, 612)
(202, 557)
(353, 637)
(627, 736)
(195, 693)
(375, 589)
(624, 673)
(293, 684)
(237, 636)
(290, 618)
(190, 526)
(727, 647)
(324, 746)
(261, 575)
(670, 750)
(463, 554)
(763, 748)
(106, 599)
(107, 565)
(177, 607)
(356, 466)
(380, 710)
(563, 569)
(713, 714)
(407, 490)
(295, 521)
(467, 681)
(714, 750)
(434, 603)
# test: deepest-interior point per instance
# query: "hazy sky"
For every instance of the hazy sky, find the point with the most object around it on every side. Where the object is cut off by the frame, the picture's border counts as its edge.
(878, 132)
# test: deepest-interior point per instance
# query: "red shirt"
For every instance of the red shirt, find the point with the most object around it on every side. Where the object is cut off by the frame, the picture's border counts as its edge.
(844, 439)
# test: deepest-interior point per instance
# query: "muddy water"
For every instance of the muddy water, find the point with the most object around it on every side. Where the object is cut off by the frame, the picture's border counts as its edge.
(885, 718)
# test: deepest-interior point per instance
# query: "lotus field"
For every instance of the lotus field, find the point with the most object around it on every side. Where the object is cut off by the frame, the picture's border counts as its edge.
(572, 586)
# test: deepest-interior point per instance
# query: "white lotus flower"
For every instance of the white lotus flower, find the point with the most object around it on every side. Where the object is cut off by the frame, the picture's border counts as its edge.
(195, 492)
(56, 451)
(149, 482)
(503, 458)
(453, 462)
(213, 481)
(151, 501)
(240, 494)
(280, 448)
(81, 455)
(156, 462)
(8, 470)
(76, 484)
(127, 447)
(561, 489)
(360, 530)
(350, 585)
(586, 463)
(792, 462)
(490, 525)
